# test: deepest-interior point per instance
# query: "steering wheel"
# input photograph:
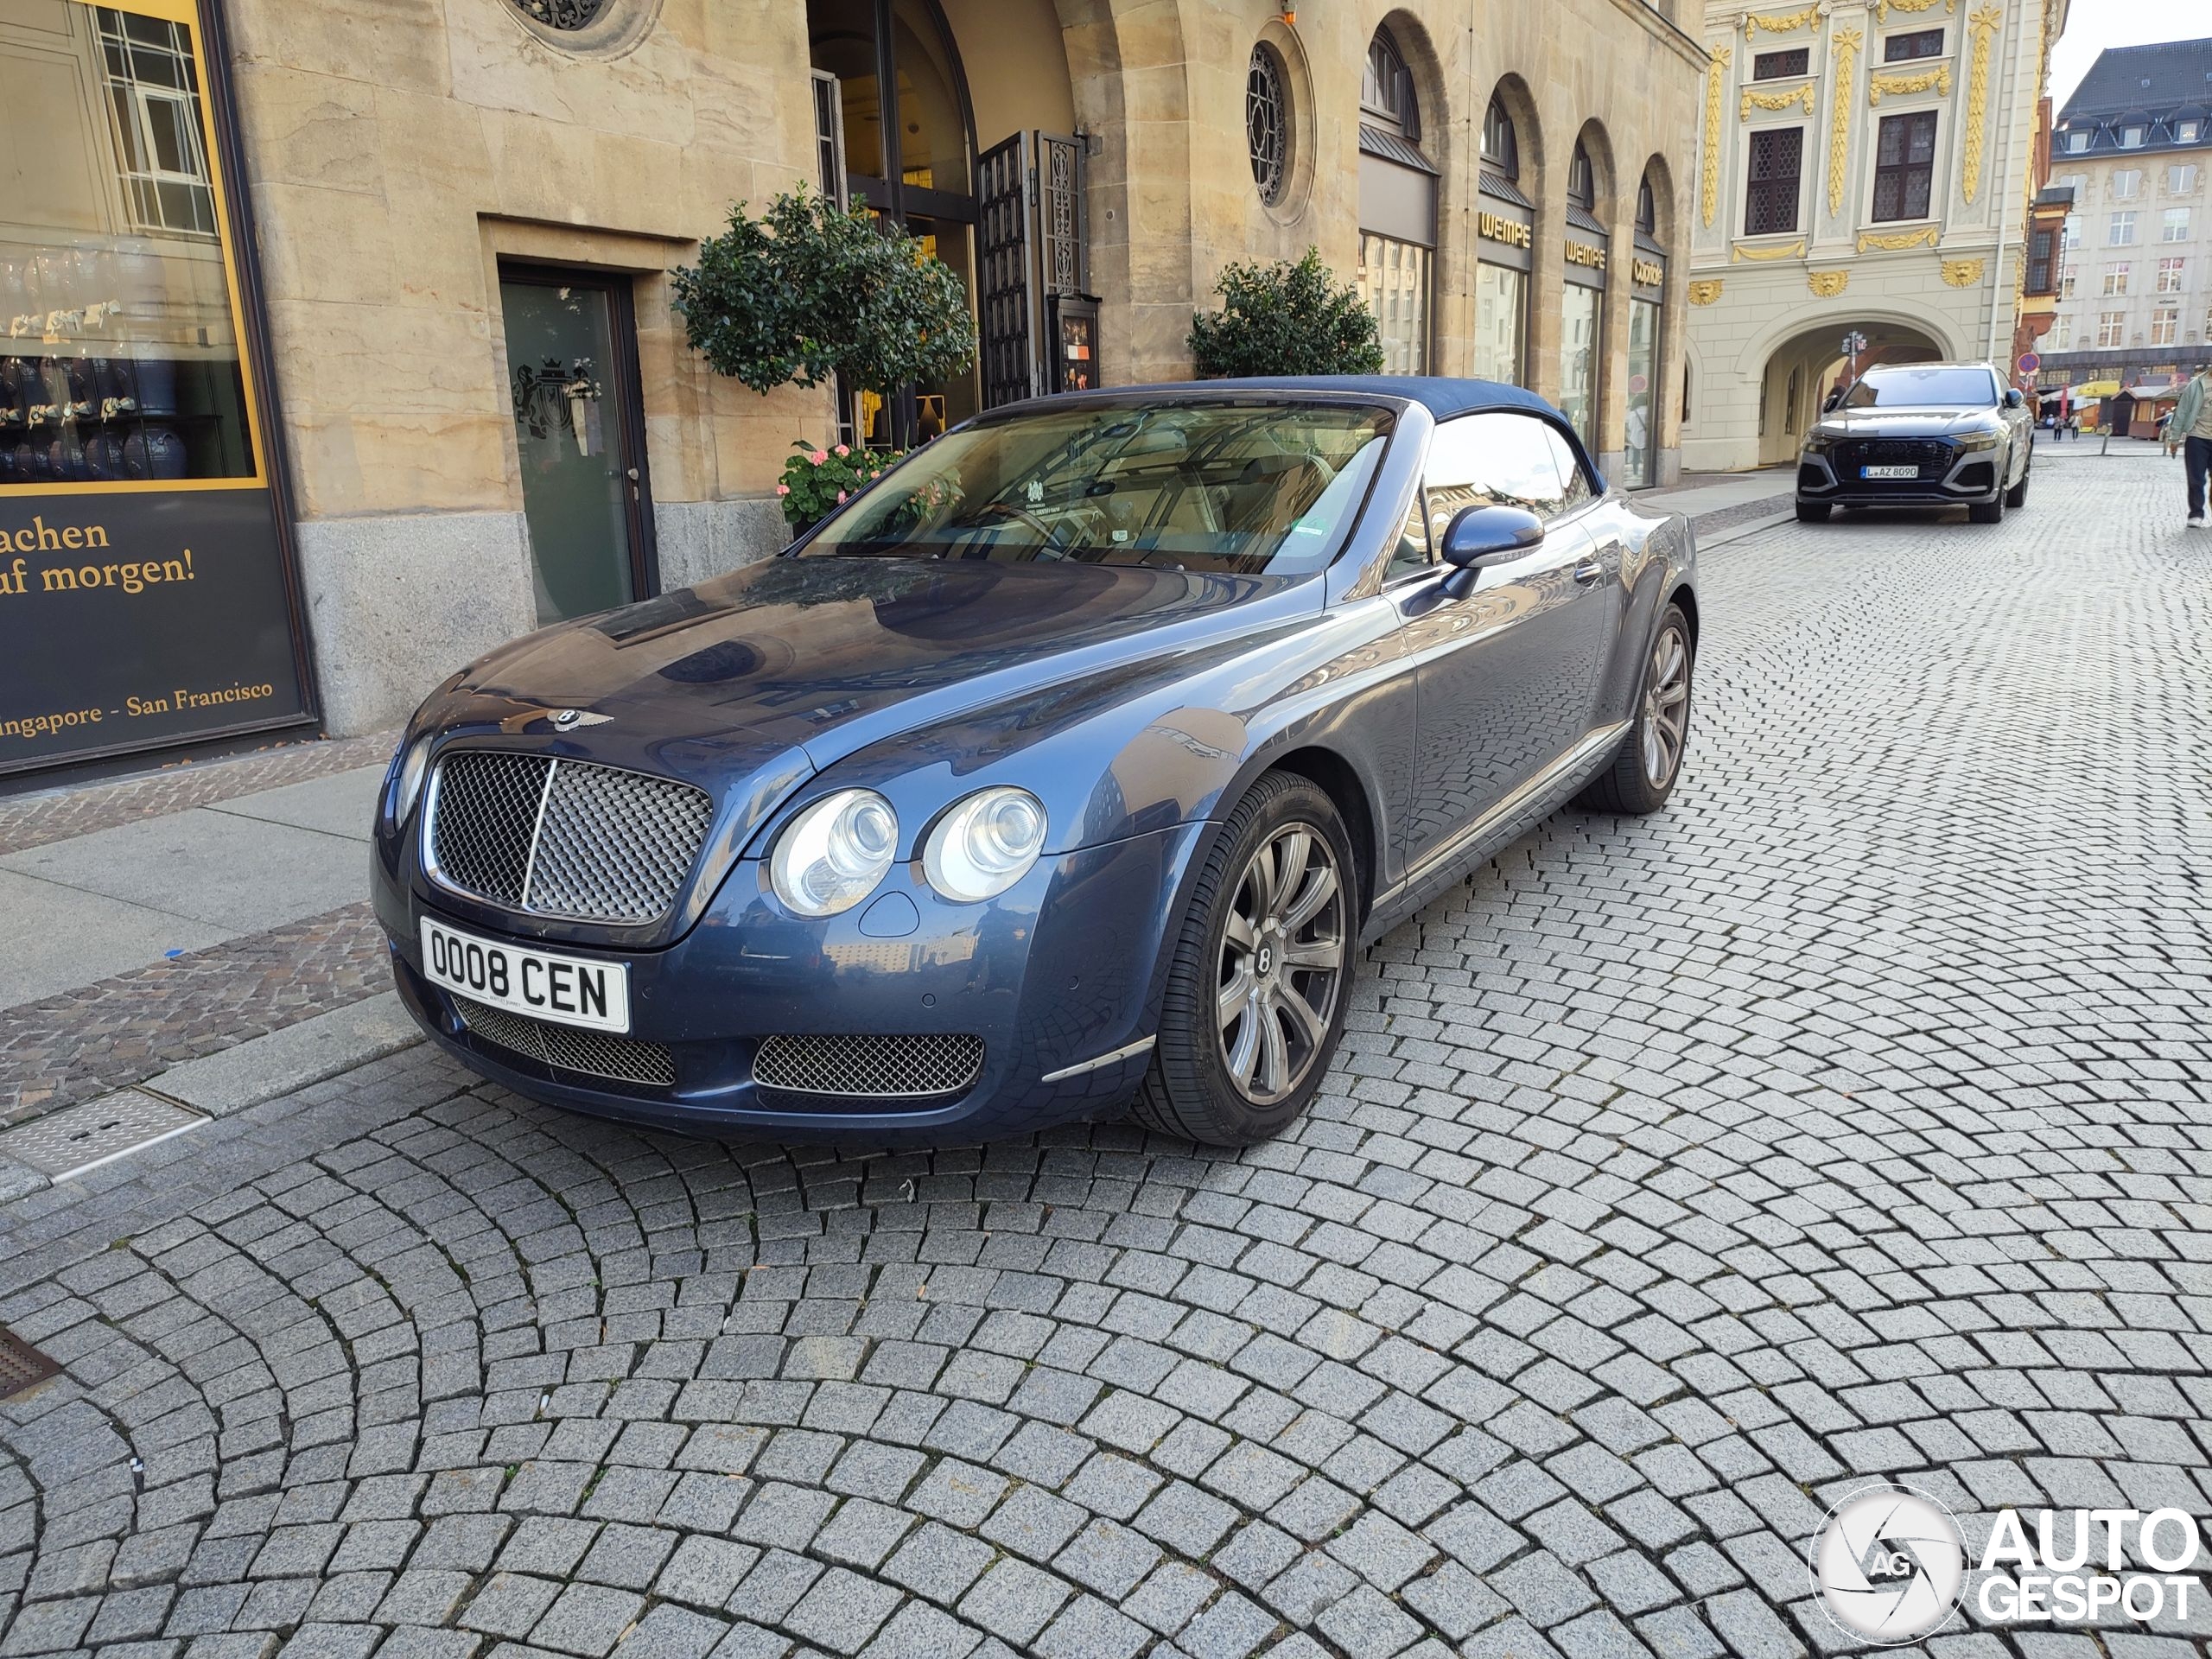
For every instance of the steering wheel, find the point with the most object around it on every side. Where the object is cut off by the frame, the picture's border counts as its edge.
(1050, 533)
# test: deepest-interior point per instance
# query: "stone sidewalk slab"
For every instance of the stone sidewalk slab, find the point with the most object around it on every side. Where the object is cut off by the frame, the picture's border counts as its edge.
(343, 803)
(53, 939)
(285, 1061)
(236, 873)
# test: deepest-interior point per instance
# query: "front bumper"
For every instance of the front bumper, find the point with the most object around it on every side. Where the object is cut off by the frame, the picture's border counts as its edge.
(1969, 476)
(1060, 969)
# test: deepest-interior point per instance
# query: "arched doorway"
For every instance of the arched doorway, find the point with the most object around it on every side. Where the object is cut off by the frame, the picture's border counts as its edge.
(1582, 298)
(1505, 238)
(1397, 208)
(1803, 369)
(894, 131)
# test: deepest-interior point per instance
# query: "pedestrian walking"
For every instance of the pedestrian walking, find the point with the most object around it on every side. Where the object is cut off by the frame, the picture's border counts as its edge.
(2188, 429)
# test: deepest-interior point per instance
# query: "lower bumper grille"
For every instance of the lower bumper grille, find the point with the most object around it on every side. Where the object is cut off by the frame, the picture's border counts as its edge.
(1930, 458)
(565, 1048)
(869, 1065)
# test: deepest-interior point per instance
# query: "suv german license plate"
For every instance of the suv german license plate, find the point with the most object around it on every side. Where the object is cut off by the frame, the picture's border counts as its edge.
(567, 989)
(1889, 472)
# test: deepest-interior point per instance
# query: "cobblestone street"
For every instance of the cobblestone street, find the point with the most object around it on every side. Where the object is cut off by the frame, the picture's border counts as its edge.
(1851, 1119)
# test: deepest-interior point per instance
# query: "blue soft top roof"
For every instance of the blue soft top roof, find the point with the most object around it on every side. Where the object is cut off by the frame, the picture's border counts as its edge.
(1441, 397)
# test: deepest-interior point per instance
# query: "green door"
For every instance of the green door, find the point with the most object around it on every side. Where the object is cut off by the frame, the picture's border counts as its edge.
(572, 368)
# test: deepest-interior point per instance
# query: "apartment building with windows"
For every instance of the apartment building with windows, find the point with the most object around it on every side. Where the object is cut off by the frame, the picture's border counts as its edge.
(2135, 284)
(1868, 167)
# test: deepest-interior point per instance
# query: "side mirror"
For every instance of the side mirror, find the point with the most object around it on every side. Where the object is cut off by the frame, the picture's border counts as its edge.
(2014, 397)
(1829, 403)
(1481, 535)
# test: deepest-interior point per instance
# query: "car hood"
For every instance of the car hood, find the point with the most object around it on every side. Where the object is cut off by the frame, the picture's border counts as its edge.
(1936, 423)
(750, 684)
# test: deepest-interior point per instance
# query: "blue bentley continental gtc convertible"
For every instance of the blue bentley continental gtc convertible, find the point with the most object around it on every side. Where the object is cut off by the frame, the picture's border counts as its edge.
(1063, 770)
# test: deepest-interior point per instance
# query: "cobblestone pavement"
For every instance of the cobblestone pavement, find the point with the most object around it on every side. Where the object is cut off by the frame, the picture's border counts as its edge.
(1847, 1120)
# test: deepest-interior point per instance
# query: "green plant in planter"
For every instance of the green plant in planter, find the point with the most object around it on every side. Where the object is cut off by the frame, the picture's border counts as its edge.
(1286, 318)
(810, 291)
(816, 480)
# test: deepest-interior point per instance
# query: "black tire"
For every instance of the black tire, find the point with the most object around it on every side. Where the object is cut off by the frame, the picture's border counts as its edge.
(1190, 1091)
(2017, 495)
(1987, 512)
(1627, 785)
(1812, 512)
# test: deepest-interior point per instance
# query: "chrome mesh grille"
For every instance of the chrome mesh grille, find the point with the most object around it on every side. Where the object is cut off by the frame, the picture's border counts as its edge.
(487, 810)
(565, 1048)
(865, 1063)
(565, 837)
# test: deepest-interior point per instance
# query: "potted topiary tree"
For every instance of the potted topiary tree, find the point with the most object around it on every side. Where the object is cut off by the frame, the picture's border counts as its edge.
(1286, 318)
(809, 291)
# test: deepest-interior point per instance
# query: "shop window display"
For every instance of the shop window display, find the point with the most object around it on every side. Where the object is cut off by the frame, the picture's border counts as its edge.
(121, 360)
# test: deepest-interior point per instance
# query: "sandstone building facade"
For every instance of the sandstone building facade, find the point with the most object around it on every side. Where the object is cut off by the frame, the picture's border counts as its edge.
(432, 313)
(1864, 166)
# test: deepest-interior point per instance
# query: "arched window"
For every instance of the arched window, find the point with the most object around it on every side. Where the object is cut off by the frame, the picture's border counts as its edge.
(1581, 181)
(1386, 90)
(1267, 122)
(1647, 212)
(1397, 208)
(1501, 149)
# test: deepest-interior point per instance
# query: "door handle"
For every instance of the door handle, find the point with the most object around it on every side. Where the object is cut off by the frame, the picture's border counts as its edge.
(1588, 571)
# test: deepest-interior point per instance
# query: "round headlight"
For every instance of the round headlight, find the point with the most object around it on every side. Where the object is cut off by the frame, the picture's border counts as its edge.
(985, 844)
(832, 854)
(414, 767)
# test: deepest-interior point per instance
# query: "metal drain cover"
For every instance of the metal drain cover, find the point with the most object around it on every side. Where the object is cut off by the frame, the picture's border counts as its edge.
(68, 1142)
(22, 1366)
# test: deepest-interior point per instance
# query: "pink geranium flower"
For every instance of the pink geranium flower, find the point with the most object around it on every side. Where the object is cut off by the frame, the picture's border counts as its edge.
(841, 495)
(783, 489)
(843, 450)
(821, 455)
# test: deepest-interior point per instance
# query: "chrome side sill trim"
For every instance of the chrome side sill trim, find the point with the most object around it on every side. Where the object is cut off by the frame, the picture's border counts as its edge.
(1127, 1051)
(1596, 739)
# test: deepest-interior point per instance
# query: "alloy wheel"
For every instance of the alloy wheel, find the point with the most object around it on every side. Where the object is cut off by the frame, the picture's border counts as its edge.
(1282, 962)
(1666, 707)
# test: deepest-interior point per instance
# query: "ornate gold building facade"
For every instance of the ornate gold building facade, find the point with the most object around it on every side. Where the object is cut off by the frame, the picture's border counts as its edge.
(1862, 168)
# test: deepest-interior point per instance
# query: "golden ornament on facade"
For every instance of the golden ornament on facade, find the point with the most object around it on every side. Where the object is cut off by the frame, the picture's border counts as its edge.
(1705, 292)
(1897, 240)
(1963, 273)
(1884, 81)
(1716, 72)
(1778, 24)
(1775, 101)
(1788, 251)
(1843, 49)
(1883, 8)
(1984, 23)
(1827, 284)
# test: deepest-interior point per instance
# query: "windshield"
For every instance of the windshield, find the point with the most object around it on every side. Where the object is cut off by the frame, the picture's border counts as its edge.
(1923, 389)
(1239, 487)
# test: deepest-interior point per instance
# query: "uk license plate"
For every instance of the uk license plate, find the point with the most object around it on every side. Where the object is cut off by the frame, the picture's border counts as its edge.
(569, 990)
(1889, 472)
